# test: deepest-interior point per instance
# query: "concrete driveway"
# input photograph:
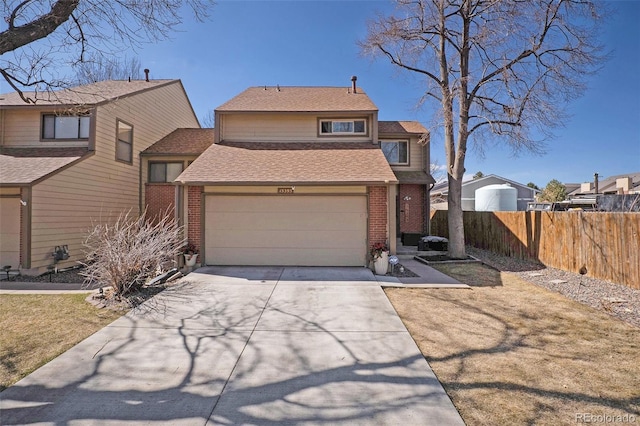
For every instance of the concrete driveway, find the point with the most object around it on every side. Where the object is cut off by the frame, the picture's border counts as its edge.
(229, 345)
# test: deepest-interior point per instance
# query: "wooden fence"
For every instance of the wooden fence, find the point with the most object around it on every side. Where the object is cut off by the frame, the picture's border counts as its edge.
(606, 244)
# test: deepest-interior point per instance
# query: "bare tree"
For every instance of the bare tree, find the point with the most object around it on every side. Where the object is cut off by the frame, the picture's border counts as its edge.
(208, 120)
(437, 171)
(498, 69)
(44, 36)
(103, 68)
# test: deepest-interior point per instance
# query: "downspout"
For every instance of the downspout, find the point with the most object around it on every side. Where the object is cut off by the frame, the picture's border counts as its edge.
(1, 127)
(25, 227)
(140, 210)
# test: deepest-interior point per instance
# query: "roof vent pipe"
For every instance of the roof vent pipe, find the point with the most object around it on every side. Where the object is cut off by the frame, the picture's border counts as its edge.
(353, 83)
(146, 74)
(595, 183)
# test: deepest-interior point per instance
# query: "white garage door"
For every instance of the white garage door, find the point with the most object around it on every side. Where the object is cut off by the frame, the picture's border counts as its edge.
(286, 230)
(10, 232)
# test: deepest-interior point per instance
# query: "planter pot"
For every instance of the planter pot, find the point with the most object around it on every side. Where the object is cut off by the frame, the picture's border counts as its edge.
(381, 264)
(190, 259)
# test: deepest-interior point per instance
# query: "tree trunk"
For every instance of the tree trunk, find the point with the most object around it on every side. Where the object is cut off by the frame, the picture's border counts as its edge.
(454, 215)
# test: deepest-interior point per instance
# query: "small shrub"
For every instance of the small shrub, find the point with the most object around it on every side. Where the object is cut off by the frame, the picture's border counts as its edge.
(130, 251)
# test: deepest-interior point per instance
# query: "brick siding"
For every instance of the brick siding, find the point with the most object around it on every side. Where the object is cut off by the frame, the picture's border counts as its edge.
(378, 214)
(194, 197)
(411, 212)
(159, 198)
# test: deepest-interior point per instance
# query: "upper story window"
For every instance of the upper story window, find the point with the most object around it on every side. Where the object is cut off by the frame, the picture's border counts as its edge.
(343, 127)
(396, 152)
(65, 126)
(124, 142)
(164, 172)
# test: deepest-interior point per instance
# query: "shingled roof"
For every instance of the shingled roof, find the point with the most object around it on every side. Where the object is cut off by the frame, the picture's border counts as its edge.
(24, 166)
(299, 99)
(231, 165)
(182, 142)
(412, 127)
(89, 94)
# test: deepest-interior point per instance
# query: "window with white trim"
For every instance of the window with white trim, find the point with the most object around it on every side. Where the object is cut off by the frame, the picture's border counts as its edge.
(124, 142)
(164, 172)
(396, 152)
(65, 126)
(343, 127)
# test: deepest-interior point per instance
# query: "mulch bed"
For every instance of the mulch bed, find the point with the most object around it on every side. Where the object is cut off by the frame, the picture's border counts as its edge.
(406, 273)
(445, 258)
(72, 276)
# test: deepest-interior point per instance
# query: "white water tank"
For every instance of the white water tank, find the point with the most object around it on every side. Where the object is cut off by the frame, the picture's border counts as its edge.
(496, 198)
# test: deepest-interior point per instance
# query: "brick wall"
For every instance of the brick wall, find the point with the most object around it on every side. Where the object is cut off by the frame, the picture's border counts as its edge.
(159, 198)
(378, 214)
(411, 212)
(194, 197)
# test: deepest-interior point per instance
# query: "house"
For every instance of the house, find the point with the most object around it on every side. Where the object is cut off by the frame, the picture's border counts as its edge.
(440, 191)
(304, 176)
(628, 183)
(74, 159)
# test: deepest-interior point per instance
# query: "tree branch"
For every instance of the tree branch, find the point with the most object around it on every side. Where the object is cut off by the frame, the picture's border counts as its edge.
(16, 37)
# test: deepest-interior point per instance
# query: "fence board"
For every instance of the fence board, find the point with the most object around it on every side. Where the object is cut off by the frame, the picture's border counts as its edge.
(606, 244)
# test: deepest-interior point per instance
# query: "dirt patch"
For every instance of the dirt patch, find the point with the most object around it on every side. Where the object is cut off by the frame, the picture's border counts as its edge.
(509, 352)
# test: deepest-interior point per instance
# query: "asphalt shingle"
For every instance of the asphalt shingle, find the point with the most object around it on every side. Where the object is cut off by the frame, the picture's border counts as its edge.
(23, 166)
(231, 165)
(299, 99)
(182, 142)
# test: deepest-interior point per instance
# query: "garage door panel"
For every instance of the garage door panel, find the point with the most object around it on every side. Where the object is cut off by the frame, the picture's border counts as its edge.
(285, 230)
(287, 221)
(276, 256)
(295, 204)
(10, 232)
(287, 239)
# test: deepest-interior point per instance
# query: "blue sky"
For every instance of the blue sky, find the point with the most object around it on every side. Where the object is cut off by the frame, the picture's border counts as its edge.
(313, 43)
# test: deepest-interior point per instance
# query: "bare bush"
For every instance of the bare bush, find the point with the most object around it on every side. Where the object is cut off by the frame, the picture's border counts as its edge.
(130, 251)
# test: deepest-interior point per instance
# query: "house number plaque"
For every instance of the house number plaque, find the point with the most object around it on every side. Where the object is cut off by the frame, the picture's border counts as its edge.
(285, 190)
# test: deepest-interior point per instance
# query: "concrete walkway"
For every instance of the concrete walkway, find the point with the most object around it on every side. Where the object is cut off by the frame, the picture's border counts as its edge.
(243, 346)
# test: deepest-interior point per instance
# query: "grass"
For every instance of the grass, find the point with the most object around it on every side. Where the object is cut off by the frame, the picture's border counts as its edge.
(509, 352)
(37, 328)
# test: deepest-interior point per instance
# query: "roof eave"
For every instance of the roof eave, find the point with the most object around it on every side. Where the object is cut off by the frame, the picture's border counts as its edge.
(299, 183)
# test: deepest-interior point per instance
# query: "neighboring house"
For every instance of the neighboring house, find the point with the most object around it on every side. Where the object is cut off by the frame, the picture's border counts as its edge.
(628, 183)
(440, 191)
(297, 176)
(74, 160)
